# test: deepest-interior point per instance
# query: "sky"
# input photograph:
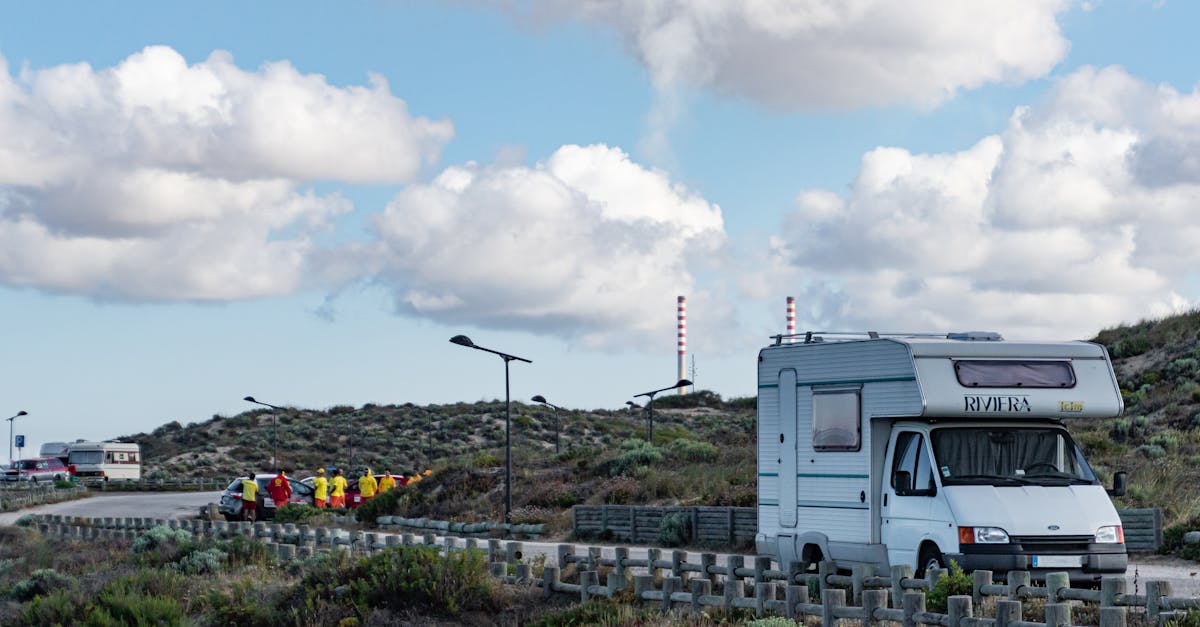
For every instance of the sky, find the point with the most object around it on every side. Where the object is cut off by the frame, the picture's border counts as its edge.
(303, 201)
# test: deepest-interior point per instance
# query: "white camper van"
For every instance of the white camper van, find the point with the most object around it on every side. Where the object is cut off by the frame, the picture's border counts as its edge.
(922, 449)
(108, 460)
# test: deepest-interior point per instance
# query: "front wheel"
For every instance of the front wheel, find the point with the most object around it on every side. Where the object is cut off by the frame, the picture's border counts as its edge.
(929, 557)
(33, 479)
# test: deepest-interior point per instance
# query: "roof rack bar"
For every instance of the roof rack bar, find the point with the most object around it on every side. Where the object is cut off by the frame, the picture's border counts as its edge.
(811, 337)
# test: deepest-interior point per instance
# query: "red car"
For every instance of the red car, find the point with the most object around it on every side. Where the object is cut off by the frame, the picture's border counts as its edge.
(40, 469)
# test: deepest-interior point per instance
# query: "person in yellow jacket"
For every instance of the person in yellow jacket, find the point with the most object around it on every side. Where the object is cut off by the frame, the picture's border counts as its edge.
(387, 481)
(337, 498)
(249, 499)
(367, 486)
(320, 488)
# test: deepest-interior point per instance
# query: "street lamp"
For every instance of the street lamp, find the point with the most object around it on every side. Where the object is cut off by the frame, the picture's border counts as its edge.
(650, 406)
(10, 433)
(542, 399)
(275, 434)
(463, 340)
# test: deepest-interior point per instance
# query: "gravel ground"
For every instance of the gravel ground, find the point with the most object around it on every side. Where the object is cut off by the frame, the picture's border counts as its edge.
(1183, 575)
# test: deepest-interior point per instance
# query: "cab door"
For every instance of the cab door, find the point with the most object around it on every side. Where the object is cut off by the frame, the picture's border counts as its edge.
(908, 495)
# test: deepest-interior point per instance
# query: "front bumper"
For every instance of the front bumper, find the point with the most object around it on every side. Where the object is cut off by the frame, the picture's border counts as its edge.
(1094, 562)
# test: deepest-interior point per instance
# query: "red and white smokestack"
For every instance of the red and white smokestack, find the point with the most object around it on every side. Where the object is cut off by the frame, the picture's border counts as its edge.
(681, 319)
(791, 318)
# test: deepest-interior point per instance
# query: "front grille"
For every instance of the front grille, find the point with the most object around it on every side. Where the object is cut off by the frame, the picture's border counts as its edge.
(1053, 543)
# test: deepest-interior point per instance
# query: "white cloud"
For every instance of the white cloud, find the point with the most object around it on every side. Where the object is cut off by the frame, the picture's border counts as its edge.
(1071, 220)
(586, 244)
(801, 54)
(158, 180)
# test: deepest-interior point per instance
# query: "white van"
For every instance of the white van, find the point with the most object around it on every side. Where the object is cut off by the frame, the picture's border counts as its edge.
(109, 460)
(925, 449)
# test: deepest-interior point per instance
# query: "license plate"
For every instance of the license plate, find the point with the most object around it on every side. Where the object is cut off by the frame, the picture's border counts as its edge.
(1057, 561)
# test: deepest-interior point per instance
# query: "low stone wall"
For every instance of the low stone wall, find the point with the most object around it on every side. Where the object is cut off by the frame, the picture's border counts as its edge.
(14, 499)
(479, 530)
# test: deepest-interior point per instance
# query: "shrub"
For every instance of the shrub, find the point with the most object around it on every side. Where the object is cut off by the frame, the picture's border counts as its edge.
(619, 490)
(636, 453)
(160, 537)
(40, 583)
(297, 513)
(117, 608)
(405, 578)
(951, 583)
(692, 451)
(675, 529)
(210, 560)
(1152, 451)
(61, 607)
(486, 460)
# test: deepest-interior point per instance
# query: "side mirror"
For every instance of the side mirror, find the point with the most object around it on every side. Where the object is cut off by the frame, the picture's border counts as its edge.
(903, 482)
(1118, 488)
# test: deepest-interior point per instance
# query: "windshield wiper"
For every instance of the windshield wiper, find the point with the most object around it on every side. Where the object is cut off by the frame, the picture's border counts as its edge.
(990, 478)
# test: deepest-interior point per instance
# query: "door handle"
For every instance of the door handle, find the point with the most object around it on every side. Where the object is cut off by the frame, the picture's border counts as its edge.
(862, 496)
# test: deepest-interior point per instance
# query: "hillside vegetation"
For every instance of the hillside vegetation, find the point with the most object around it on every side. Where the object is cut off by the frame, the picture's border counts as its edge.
(703, 450)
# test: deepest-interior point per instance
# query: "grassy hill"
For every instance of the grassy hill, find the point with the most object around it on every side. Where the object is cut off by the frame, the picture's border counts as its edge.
(703, 450)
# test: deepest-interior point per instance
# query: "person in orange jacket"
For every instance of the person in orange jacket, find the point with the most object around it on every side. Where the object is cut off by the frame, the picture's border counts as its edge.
(280, 489)
(387, 481)
(337, 498)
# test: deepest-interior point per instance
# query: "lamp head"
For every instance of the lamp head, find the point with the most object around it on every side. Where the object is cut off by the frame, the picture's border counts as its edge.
(22, 413)
(632, 404)
(250, 398)
(462, 340)
(538, 399)
(683, 383)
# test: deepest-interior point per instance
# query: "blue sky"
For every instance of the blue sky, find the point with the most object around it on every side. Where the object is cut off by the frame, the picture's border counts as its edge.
(304, 202)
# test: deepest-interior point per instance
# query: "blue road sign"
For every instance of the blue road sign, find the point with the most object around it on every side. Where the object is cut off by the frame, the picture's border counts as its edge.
(20, 441)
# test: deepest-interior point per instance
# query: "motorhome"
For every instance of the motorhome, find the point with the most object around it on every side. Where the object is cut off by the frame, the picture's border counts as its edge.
(922, 449)
(108, 460)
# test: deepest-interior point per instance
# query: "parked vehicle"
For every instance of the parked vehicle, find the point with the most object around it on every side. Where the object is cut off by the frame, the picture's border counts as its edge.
(39, 469)
(55, 449)
(926, 449)
(230, 504)
(109, 460)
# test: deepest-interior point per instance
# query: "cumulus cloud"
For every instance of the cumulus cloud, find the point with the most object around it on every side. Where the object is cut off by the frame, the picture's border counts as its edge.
(791, 54)
(586, 244)
(158, 180)
(1070, 220)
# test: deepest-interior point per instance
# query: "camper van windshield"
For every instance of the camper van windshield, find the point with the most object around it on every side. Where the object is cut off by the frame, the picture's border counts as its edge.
(1009, 456)
(86, 457)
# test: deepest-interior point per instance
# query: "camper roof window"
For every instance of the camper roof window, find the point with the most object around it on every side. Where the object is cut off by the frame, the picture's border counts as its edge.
(979, 373)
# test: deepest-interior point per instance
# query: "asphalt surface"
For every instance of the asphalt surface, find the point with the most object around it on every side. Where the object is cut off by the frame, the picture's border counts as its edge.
(1184, 576)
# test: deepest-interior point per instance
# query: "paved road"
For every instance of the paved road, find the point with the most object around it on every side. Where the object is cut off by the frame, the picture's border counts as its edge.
(155, 505)
(1183, 575)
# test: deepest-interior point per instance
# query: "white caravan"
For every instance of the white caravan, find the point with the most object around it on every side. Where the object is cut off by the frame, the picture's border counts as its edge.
(922, 449)
(108, 460)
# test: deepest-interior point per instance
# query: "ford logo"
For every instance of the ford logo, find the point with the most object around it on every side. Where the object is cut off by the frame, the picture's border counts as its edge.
(1053, 527)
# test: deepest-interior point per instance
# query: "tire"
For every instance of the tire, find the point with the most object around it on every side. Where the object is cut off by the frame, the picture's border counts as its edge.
(928, 557)
(33, 479)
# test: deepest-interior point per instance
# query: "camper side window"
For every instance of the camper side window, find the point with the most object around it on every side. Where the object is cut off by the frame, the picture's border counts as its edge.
(912, 459)
(837, 422)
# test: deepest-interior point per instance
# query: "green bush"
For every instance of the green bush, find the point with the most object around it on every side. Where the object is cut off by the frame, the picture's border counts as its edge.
(61, 607)
(692, 451)
(951, 583)
(406, 578)
(675, 529)
(210, 560)
(389, 503)
(636, 453)
(117, 609)
(1152, 451)
(297, 513)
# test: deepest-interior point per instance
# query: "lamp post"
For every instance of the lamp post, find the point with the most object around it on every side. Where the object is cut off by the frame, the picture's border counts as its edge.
(542, 399)
(650, 406)
(10, 433)
(463, 340)
(275, 430)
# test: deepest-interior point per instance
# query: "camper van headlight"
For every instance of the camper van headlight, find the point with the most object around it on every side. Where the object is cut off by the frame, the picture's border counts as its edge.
(1110, 535)
(982, 535)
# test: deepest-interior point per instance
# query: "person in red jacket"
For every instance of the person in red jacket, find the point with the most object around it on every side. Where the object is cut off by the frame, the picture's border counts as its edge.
(280, 489)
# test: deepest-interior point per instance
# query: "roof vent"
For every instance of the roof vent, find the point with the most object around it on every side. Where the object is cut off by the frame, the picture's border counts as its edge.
(975, 336)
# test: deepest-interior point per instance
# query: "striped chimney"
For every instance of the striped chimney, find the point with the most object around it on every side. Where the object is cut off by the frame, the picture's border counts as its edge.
(681, 318)
(791, 317)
